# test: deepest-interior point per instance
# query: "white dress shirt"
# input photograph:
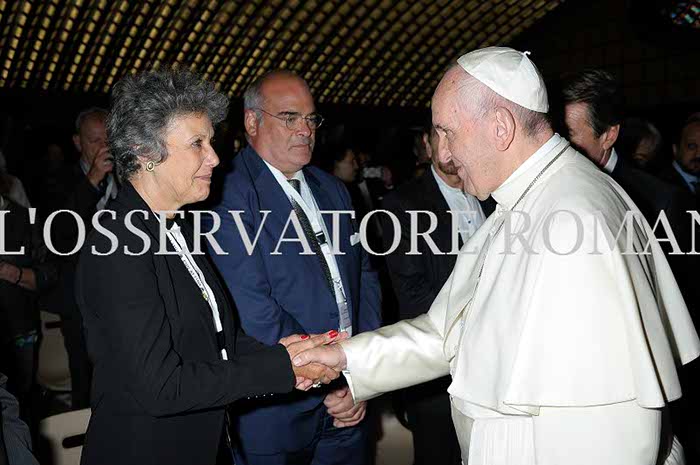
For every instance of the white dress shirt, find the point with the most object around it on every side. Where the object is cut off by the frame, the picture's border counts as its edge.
(465, 206)
(611, 163)
(306, 201)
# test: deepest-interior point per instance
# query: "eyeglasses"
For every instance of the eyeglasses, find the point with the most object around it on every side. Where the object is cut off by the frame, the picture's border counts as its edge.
(294, 120)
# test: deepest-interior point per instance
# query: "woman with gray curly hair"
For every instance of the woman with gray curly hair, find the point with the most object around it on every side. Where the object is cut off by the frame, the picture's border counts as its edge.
(168, 356)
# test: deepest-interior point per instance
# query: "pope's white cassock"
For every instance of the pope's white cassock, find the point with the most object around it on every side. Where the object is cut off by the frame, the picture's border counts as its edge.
(563, 354)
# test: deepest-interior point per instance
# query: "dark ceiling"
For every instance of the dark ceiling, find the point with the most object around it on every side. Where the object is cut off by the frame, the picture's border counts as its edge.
(367, 52)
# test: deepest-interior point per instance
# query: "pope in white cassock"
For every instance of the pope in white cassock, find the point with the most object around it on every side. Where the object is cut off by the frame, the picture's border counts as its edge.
(562, 347)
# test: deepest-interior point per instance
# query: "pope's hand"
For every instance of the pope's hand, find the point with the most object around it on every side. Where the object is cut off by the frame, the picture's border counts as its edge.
(311, 373)
(332, 356)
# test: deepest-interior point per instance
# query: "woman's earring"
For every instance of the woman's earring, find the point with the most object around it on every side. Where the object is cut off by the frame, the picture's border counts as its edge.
(150, 166)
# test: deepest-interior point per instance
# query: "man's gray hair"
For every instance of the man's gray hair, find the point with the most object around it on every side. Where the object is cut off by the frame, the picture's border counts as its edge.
(253, 98)
(484, 100)
(145, 104)
(89, 113)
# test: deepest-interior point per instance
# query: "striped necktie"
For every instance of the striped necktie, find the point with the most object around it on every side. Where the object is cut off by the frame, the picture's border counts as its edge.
(310, 236)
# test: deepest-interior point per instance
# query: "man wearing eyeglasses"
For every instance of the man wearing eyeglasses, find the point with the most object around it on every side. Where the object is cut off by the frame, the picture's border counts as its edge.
(291, 281)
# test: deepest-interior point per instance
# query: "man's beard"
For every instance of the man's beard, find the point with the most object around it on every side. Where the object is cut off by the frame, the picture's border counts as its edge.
(448, 168)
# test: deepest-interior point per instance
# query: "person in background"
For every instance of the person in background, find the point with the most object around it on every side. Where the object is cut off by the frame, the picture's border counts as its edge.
(340, 160)
(87, 188)
(641, 142)
(593, 114)
(419, 150)
(11, 187)
(418, 278)
(23, 276)
(345, 165)
(15, 440)
(593, 109)
(684, 172)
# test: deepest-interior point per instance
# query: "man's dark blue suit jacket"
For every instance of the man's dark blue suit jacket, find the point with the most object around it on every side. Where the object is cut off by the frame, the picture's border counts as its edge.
(282, 294)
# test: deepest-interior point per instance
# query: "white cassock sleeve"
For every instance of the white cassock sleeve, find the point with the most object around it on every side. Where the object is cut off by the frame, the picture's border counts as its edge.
(394, 357)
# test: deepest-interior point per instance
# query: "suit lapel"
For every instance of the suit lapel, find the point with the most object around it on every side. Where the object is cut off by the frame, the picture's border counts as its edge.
(270, 194)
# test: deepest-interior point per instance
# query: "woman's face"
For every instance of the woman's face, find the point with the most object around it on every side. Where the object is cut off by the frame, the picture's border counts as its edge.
(185, 175)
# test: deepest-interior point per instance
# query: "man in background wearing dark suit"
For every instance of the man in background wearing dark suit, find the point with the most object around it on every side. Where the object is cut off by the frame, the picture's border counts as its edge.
(283, 288)
(684, 172)
(593, 113)
(417, 279)
(86, 189)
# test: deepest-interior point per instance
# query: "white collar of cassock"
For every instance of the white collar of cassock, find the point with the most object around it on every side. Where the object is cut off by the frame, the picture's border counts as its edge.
(508, 193)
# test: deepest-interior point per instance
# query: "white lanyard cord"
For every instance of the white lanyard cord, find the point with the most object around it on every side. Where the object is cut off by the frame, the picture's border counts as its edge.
(191, 266)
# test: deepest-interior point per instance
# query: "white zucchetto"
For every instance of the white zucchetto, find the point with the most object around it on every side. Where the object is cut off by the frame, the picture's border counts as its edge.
(510, 74)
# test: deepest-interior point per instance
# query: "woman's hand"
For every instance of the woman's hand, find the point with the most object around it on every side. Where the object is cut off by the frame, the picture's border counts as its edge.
(313, 373)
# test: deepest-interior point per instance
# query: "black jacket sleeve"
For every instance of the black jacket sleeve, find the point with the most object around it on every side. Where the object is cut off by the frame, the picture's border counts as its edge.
(129, 335)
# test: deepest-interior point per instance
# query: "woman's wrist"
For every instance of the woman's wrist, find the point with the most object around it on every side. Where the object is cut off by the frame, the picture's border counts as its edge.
(19, 274)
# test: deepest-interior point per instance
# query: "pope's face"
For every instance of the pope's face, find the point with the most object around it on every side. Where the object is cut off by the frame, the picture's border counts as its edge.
(687, 153)
(462, 140)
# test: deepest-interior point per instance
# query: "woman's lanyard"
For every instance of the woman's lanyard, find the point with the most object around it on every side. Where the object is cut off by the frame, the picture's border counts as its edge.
(178, 241)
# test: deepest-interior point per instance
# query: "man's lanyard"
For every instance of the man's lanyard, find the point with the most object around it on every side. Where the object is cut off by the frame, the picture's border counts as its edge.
(322, 237)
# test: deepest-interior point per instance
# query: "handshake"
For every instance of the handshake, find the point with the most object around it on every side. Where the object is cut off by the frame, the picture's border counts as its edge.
(316, 359)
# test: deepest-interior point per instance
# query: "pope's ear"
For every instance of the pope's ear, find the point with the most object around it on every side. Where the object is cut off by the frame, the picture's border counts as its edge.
(251, 123)
(503, 128)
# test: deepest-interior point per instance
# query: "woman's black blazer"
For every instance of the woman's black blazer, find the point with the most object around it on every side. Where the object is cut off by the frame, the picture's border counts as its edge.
(160, 388)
